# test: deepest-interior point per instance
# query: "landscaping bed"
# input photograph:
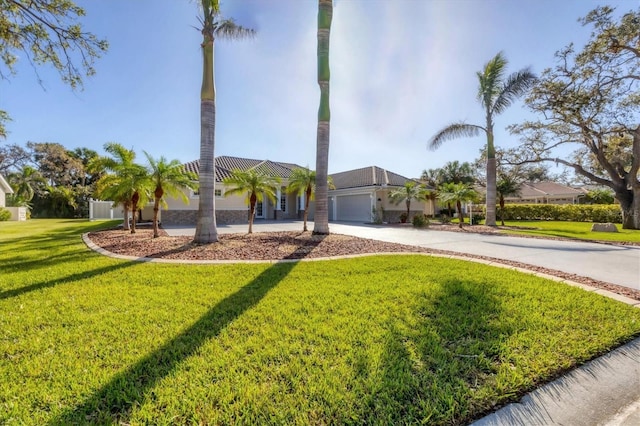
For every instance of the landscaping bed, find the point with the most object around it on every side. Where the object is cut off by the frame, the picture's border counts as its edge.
(296, 246)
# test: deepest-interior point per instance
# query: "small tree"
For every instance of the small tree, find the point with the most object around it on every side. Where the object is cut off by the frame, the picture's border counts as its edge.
(256, 184)
(303, 181)
(457, 193)
(409, 192)
(168, 177)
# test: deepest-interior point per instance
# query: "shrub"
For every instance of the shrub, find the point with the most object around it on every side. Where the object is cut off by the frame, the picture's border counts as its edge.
(420, 221)
(403, 217)
(568, 212)
(4, 214)
(477, 218)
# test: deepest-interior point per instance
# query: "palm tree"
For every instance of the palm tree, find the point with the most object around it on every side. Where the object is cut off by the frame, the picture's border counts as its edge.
(213, 26)
(456, 172)
(457, 193)
(495, 94)
(113, 186)
(507, 186)
(410, 191)
(129, 186)
(256, 184)
(23, 183)
(168, 177)
(303, 181)
(321, 220)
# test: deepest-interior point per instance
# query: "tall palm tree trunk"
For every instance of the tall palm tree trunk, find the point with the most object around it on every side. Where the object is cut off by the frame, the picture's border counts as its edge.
(491, 177)
(321, 220)
(206, 231)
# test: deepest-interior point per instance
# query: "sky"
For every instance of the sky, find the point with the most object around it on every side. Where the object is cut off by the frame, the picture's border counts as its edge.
(401, 70)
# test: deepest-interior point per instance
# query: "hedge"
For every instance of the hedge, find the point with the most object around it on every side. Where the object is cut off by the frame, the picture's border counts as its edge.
(569, 212)
(4, 214)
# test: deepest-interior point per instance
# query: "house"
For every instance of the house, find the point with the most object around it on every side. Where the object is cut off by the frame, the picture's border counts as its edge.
(546, 193)
(233, 209)
(361, 193)
(17, 213)
(4, 190)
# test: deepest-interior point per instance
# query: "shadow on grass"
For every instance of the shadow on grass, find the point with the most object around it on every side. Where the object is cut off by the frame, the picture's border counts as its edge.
(63, 280)
(114, 402)
(433, 373)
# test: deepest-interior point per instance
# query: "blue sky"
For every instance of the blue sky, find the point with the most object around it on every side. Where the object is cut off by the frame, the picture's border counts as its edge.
(400, 71)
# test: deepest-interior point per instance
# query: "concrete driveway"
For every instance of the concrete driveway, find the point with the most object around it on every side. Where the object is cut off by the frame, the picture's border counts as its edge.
(614, 264)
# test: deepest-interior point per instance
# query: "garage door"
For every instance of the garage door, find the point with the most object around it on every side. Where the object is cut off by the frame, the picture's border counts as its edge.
(355, 208)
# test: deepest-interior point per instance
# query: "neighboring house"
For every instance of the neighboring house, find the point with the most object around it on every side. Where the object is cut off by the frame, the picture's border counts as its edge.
(17, 213)
(4, 190)
(234, 209)
(360, 192)
(546, 193)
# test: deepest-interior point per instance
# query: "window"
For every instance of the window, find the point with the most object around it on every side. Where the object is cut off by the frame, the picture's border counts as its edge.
(196, 193)
(218, 193)
(283, 202)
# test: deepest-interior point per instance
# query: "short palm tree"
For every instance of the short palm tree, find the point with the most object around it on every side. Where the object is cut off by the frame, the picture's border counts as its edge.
(168, 177)
(303, 181)
(256, 184)
(113, 186)
(407, 193)
(495, 94)
(213, 27)
(457, 193)
(507, 186)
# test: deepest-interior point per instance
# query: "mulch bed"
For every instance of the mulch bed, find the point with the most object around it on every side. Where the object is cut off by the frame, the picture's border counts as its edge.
(295, 245)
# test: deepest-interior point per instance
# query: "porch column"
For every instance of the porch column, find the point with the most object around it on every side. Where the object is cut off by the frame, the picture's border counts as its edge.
(301, 207)
(278, 196)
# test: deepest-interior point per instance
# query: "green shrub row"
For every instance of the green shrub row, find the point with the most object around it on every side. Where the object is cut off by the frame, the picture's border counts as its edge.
(570, 212)
(4, 214)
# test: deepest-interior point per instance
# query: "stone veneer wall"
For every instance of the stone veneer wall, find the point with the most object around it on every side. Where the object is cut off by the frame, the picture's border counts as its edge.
(190, 217)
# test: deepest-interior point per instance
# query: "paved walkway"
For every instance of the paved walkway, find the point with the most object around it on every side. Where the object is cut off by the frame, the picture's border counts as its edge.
(605, 391)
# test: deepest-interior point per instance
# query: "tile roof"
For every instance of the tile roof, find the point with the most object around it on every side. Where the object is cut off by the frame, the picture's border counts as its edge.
(225, 165)
(367, 176)
(545, 189)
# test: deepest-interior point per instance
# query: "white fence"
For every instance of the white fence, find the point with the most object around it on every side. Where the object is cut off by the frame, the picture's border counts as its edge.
(104, 210)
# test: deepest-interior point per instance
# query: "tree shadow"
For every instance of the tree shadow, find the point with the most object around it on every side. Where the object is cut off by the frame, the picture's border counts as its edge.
(115, 401)
(429, 372)
(63, 280)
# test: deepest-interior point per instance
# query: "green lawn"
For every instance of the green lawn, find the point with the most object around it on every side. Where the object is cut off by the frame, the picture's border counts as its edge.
(577, 230)
(377, 340)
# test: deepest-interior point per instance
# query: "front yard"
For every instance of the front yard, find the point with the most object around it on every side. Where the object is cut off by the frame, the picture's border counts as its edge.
(376, 340)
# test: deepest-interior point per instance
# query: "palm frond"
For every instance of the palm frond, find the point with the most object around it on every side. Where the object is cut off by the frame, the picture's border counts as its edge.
(228, 29)
(454, 131)
(516, 85)
(490, 78)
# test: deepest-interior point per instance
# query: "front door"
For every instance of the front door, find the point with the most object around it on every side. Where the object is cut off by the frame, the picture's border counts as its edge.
(259, 210)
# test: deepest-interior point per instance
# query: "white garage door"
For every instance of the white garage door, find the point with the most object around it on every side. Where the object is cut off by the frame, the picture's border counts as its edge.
(355, 208)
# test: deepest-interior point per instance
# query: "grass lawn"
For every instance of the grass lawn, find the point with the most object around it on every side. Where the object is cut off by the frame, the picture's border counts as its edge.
(577, 230)
(377, 340)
